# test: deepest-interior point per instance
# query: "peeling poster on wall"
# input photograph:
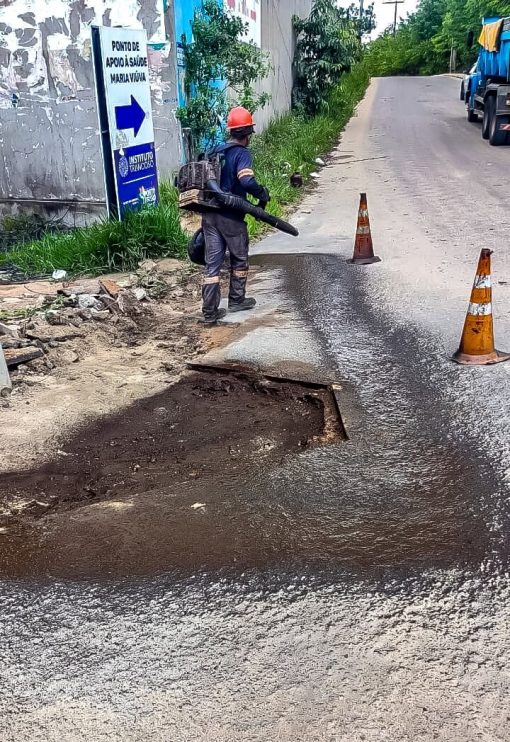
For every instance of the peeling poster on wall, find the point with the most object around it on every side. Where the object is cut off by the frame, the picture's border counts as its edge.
(249, 12)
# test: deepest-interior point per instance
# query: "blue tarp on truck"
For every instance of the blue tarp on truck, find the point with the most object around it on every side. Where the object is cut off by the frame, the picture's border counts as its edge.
(494, 57)
(487, 90)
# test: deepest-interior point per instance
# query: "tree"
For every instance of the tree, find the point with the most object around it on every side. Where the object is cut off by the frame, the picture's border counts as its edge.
(366, 23)
(424, 40)
(328, 44)
(221, 69)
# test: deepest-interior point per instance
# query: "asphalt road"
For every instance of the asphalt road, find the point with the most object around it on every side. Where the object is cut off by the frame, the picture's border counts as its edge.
(380, 606)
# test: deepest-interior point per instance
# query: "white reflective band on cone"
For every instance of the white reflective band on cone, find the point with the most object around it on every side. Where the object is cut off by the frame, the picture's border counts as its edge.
(482, 282)
(363, 230)
(480, 310)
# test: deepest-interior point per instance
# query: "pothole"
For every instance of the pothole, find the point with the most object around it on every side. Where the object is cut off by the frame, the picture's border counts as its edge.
(223, 418)
(162, 483)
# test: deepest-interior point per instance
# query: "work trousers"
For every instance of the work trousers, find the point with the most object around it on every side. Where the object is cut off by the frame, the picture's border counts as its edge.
(221, 233)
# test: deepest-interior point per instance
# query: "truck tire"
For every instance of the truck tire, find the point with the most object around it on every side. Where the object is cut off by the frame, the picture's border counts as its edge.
(489, 112)
(471, 114)
(462, 90)
(496, 136)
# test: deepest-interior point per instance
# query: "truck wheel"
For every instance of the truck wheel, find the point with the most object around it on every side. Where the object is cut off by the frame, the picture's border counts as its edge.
(471, 115)
(488, 114)
(496, 136)
(462, 91)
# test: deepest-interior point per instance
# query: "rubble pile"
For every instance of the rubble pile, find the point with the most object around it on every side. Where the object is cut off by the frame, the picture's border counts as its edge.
(37, 343)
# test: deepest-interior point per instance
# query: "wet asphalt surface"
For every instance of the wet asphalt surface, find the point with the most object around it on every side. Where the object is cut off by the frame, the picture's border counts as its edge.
(379, 606)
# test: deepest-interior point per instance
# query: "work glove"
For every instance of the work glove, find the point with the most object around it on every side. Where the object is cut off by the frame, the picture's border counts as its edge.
(265, 199)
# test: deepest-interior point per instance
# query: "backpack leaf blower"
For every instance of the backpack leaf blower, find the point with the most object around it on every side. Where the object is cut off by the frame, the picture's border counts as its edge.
(199, 191)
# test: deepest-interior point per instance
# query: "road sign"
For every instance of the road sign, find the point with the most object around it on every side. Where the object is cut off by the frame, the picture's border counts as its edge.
(125, 116)
(130, 117)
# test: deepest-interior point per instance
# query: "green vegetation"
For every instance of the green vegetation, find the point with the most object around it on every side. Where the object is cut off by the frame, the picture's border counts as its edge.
(293, 142)
(107, 245)
(221, 69)
(423, 42)
(16, 315)
(328, 44)
(290, 143)
(25, 227)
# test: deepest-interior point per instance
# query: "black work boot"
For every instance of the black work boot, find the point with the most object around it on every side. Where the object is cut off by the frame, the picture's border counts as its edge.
(237, 301)
(212, 319)
(242, 306)
(211, 296)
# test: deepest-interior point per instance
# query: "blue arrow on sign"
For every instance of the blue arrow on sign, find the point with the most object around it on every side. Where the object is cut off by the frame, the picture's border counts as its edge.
(130, 117)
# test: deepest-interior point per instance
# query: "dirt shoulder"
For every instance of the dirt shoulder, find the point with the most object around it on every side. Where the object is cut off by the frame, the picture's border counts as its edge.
(95, 361)
(118, 458)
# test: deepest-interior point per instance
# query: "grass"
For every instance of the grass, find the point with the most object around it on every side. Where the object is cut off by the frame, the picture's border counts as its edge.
(15, 315)
(107, 245)
(292, 143)
(289, 144)
(25, 227)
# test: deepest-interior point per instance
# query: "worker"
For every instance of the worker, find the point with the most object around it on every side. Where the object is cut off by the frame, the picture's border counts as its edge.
(227, 228)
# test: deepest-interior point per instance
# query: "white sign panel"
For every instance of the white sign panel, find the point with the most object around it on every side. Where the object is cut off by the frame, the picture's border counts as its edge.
(124, 96)
(127, 88)
(249, 12)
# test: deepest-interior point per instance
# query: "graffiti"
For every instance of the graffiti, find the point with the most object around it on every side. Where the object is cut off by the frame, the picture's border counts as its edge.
(45, 45)
(47, 93)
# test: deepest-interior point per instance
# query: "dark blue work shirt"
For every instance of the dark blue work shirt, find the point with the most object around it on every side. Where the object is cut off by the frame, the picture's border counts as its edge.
(237, 176)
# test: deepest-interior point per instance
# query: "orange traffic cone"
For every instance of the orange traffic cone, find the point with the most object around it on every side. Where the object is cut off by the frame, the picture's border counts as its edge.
(477, 342)
(363, 247)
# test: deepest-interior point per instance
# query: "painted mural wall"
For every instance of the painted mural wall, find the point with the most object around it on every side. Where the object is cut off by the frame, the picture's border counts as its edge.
(270, 27)
(49, 138)
(184, 12)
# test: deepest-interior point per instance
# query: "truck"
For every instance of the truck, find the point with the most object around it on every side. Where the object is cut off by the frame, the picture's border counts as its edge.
(487, 88)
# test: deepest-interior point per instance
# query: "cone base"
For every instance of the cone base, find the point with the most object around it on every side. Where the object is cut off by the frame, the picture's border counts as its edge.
(364, 261)
(484, 360)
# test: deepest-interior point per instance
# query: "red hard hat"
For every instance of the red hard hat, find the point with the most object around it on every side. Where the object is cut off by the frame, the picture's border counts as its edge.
(238, 118)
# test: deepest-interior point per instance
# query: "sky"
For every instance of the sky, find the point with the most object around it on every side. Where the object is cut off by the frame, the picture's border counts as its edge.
(384, 13)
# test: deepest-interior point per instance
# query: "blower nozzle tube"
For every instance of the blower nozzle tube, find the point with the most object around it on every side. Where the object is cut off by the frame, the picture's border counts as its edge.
(245, 207)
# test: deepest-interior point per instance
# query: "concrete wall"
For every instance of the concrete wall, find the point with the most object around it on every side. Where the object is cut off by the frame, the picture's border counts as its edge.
(278, 39)
(49, 140)
(50, 158)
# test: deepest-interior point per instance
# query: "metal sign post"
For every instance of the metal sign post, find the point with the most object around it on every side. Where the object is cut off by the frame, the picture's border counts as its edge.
(125, 118)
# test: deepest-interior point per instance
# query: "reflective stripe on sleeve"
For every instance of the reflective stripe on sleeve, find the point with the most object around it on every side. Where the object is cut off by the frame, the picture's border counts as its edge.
(245, 173)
